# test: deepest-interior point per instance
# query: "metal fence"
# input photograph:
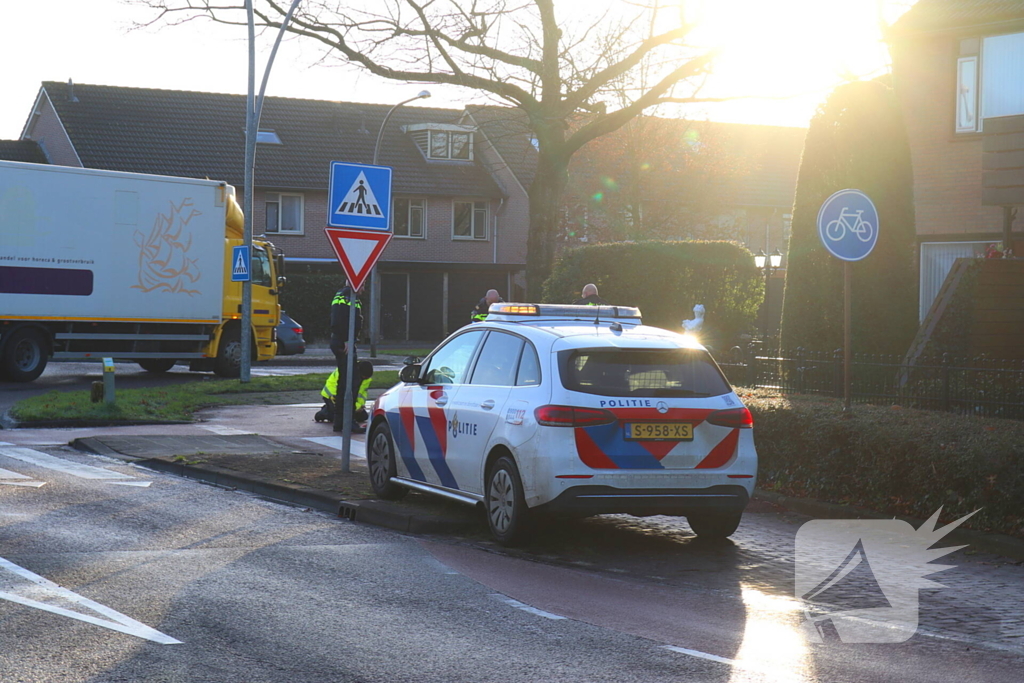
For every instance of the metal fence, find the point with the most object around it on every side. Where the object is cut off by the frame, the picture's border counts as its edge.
(978, 386)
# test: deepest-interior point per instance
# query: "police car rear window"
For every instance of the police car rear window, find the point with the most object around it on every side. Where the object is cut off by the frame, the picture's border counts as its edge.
(676, 373)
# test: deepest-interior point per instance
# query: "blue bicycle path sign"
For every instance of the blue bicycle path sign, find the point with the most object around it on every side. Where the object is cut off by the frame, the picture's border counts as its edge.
(848, 225)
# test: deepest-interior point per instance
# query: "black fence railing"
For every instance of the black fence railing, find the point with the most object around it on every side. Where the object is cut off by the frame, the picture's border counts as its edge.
(978, 386)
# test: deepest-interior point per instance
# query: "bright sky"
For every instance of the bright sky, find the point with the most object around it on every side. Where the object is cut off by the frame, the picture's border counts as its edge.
(795, 49)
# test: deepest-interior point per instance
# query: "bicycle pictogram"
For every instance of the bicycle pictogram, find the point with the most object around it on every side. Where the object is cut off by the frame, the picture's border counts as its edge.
(849, 220)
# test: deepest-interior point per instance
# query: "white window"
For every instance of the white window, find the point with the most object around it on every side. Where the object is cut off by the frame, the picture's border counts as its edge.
(469, 220)
(936, 261)
(450, 145)
(284, 213)
(967, 120)
(408, 216)
(1002, 76)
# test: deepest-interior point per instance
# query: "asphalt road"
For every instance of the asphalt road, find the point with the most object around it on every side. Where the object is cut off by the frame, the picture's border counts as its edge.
(255, 591)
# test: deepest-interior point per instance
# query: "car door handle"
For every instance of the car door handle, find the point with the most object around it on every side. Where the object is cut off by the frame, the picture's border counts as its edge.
(442, 401)
(488, 404)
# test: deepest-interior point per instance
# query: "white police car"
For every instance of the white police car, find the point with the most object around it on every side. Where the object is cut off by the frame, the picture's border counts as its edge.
(577, 410)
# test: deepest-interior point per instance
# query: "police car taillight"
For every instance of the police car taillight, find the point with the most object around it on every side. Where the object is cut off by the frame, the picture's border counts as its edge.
(736, 418)
(571, 416)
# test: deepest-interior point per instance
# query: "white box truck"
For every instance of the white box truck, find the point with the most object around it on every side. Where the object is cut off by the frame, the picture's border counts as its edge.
(136, 267)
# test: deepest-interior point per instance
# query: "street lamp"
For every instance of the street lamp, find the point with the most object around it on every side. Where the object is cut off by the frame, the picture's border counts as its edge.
(767, 263)
(374, 280)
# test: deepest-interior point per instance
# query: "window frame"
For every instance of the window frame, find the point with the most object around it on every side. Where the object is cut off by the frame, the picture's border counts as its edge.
(471, 378)
(974, 98)
(472, 223)
(266, 213)
(423, 217)
(426, 367)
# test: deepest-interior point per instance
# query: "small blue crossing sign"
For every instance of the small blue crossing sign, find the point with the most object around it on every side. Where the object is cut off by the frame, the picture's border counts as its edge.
(359, 196)
(848, 225)
(240, 264)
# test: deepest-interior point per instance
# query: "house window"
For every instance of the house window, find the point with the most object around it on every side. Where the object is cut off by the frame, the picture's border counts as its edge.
(967, 95)
(408, 216)
(450, 145)
(1002, 68)
(284, 213)
(268, 137)
(470, 221)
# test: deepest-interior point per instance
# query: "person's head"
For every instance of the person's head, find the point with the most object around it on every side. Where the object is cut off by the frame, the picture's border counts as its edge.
(589, 290)
(364, 369)
(492, 296)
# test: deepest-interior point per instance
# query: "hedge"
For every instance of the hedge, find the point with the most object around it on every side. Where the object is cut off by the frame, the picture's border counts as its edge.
(665, 280)
(856, 140)
(893, 460)
(307, 298)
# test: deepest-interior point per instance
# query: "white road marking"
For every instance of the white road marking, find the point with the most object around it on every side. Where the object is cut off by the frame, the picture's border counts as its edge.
(357, 449)
(304, 405)
(526, 608)
(224, 431)
(6, 443)
(49, 462)
(140, 484)
(705, 655)
(7, 474)
(30, 484)
(114, 620)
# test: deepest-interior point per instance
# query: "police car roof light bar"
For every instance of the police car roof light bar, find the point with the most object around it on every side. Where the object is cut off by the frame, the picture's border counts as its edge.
(569, 311)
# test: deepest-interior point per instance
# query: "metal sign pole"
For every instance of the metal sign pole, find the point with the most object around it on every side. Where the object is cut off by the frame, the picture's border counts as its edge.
(346, 434)
(847, 338)
(247, 202)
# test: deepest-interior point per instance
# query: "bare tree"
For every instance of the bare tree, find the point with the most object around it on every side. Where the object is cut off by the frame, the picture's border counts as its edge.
(553, 66)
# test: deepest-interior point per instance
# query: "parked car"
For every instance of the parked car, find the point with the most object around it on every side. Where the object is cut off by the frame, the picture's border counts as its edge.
(578, 410)
(289, 337)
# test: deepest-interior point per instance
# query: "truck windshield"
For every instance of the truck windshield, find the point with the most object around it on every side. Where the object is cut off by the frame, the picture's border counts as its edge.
(676, 373)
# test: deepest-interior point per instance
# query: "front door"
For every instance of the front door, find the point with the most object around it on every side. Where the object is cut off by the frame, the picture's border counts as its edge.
(394, 308)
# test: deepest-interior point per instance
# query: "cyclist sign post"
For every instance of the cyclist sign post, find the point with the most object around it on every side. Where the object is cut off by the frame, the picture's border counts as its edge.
(848, 227)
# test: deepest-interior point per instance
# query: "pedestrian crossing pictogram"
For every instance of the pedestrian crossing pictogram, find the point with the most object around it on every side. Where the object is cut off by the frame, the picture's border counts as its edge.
(359, 201)
(359, 196)
(240, 264)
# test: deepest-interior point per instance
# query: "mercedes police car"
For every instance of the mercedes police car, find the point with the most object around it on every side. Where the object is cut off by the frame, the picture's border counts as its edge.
(577, 410)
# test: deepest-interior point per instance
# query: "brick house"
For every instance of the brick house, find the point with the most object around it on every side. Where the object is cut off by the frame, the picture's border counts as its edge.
(958, 70)
(459, 209)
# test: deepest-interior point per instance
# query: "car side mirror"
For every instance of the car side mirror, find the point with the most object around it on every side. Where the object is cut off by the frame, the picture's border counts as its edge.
(410, 374)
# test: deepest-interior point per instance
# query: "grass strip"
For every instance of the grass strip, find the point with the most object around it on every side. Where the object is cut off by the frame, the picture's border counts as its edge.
(172, 403)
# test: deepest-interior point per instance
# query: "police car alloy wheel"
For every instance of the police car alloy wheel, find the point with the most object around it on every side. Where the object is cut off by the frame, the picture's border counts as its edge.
(505, 503)
(381, 461)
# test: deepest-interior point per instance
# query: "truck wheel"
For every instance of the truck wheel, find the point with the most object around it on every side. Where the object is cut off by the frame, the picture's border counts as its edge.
(25, 354)
(229, 355)
(157, 365)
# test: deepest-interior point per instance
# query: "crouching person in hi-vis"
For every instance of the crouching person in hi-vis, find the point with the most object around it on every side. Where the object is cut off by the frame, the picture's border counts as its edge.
(364, 375)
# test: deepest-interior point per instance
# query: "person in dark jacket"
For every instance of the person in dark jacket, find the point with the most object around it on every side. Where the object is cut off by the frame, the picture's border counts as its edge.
(479, 313)
(590, 297)
(344, 304)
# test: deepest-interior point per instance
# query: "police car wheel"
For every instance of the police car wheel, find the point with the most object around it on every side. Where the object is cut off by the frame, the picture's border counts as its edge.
(381, 461)
(720, 525)
(504, 502)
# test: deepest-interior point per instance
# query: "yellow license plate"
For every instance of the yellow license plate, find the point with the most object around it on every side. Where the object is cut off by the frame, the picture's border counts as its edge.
(659, 431)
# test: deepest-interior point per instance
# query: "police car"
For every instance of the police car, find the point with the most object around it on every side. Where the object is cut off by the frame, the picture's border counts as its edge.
(577, 410)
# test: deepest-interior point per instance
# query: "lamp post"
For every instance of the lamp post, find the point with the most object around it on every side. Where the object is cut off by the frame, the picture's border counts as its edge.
(374, 280)
(767, 263)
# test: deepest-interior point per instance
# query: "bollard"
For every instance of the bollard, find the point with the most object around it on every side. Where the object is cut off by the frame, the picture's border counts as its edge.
(108, 380)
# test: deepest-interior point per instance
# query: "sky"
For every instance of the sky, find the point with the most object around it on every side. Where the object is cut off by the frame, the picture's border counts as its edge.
(782, 56)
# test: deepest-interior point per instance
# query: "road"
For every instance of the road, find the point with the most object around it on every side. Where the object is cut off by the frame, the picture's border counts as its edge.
(255, 591)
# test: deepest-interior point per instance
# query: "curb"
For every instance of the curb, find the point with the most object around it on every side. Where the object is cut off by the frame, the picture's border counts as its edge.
(995, 544)
(376, 512)
(8, 422)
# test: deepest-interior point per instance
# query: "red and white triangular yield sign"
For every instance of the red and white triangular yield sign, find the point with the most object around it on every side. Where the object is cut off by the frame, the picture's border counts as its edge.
(358, 251)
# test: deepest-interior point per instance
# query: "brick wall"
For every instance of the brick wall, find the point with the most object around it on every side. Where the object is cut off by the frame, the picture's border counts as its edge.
(947, 166)
(46, 129)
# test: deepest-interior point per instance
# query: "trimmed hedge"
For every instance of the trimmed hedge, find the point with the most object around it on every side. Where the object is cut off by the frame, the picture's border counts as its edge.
(890, 459)
(307, 298)
(665, 280)
(856, 140)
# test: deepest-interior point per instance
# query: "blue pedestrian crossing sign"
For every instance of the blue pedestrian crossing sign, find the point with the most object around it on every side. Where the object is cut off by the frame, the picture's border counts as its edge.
(240, 264)
(359, 196)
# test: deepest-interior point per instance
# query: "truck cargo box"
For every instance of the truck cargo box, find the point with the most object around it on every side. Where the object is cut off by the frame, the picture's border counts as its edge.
(92, 245)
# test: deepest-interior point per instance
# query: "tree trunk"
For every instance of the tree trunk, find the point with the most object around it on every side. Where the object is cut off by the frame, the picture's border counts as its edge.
(546, 193)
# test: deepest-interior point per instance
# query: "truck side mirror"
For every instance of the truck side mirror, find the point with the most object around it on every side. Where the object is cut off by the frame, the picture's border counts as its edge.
(410, 374)
(281, 281)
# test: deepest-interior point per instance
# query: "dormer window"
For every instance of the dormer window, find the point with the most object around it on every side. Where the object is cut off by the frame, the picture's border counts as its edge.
(443, 140)
(268, 137)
